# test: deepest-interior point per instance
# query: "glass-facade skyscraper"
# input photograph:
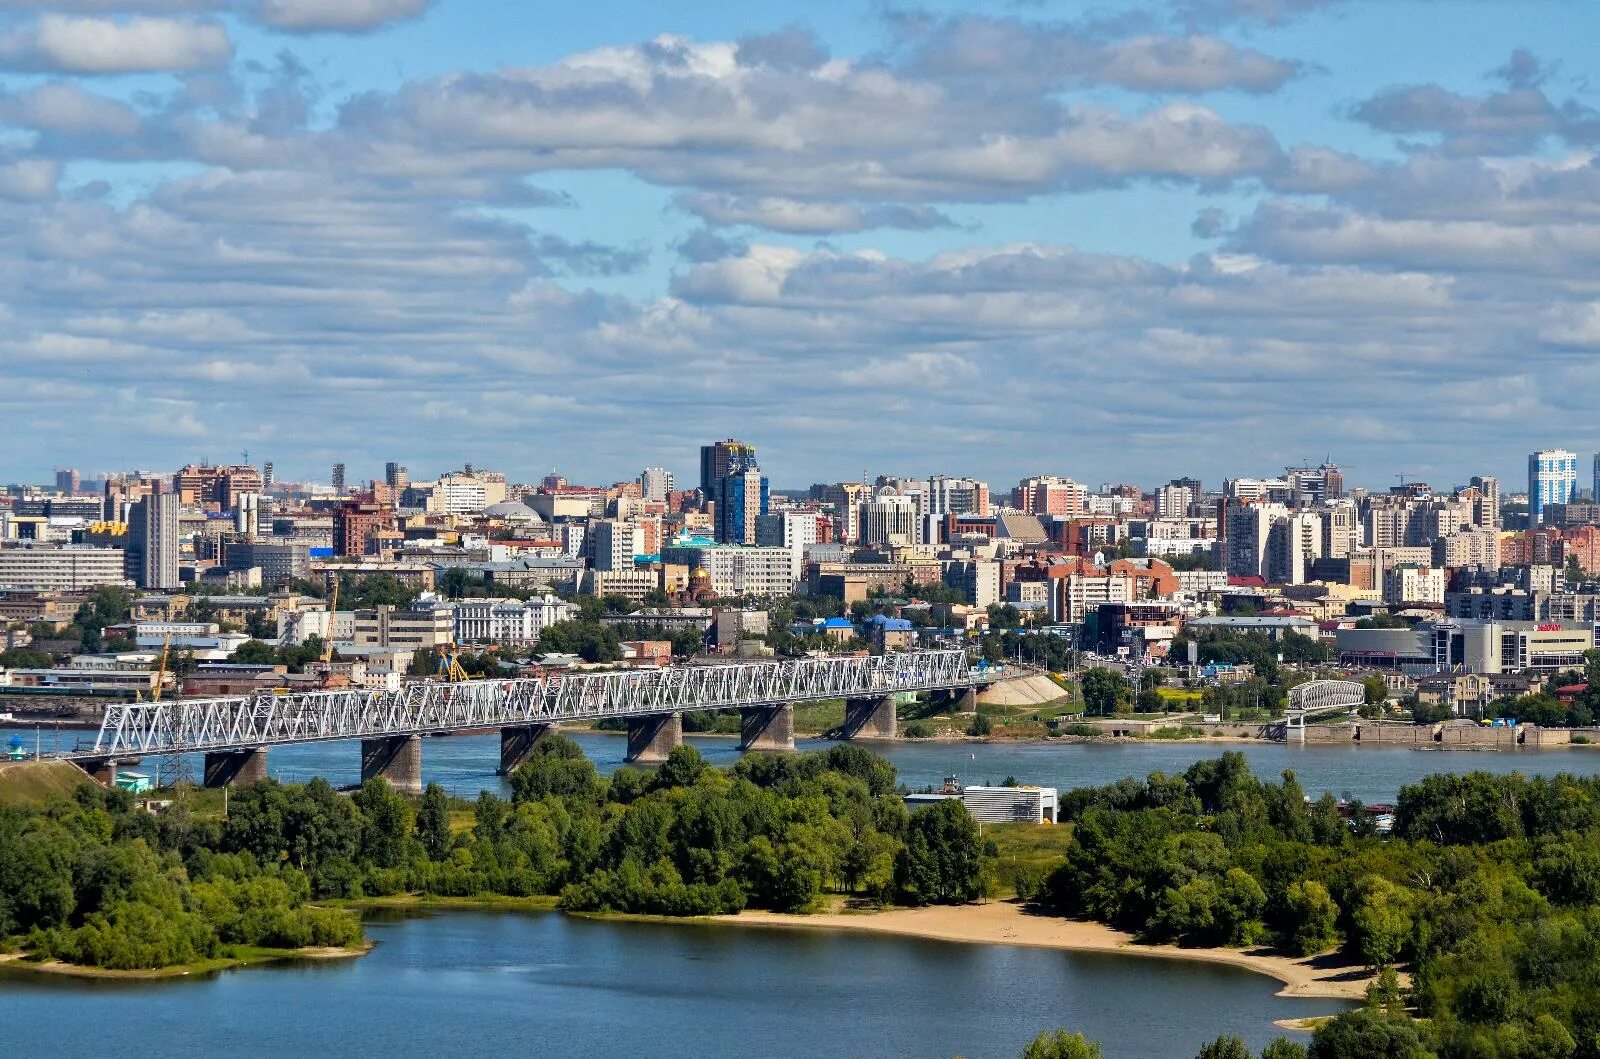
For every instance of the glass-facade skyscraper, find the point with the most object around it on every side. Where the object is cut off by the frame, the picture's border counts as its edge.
(1552, 479)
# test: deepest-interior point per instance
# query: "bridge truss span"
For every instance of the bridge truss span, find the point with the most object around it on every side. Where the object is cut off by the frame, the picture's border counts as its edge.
(1318, 698)
(269, 719)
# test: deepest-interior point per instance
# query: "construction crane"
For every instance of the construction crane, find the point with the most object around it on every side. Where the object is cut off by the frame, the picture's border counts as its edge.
(327, 644)
(450, 668)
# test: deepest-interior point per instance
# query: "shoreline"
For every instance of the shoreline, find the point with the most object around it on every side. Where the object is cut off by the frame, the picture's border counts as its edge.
(19, 961)
(986, 923)
(1005, 923)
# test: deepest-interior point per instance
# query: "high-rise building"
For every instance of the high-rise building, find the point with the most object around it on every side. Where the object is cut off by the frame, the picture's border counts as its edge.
(656, 484)
(889, 515)
(355, 523)
(1552, 479)
(741, 500)
(215, 487)
(957, 496)
(67, 481)
(266, 476)
(721, 460)
(152, 559)
(338, 478)
(1486, 505)
(395, 476)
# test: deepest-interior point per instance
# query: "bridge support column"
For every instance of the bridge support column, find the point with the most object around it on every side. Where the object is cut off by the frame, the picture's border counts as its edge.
(966, 699)
(102, 770)
(397, 759)
(651, 739)
(872, 718)
(766, 727)
(517, 743)
(235, 768)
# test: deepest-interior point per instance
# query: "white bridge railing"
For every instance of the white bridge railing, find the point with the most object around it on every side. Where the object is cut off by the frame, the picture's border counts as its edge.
(269, 719)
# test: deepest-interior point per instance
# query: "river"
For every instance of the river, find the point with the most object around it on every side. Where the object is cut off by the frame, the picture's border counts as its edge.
(483, 984)
(465, 765)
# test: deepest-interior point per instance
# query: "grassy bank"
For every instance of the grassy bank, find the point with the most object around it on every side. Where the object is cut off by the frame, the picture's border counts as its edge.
(241, 956)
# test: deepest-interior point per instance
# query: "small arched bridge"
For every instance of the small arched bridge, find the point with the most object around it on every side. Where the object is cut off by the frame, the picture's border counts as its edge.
(235, 733)
(1319, 698)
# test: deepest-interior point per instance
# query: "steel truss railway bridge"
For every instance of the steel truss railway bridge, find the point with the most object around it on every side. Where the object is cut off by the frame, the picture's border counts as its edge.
(1319, 698)
(235, 733)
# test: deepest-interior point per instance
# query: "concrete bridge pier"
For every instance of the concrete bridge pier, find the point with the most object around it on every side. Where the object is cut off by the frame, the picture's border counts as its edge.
(517, 743)
(872, 718)
(235, 768)
(102, 770)
(651, 739)
(767, 727)
(397, 759)
(965, 700)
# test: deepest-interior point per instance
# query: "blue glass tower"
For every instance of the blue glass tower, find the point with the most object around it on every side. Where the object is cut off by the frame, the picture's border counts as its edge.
(1552, 479)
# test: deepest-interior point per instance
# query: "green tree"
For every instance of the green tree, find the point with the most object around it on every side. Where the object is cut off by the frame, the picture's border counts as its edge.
(1283, 1048)
(255, 653)
(1060, 1044)
(386, 822)
(556, 768)
(1103, 691)
(1381, 921)
(1367, 1034)
(1225, 1047)
(1314, 917)
(433, 822)
(942, 862)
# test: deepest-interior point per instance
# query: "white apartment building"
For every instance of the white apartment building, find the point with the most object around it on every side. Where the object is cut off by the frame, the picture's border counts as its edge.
(1079, 594)
(1478, 547)
(889, 515)
(632, 585)
(979, 579)
(60, 569)
(1409, 583)
(613, 544)
(508, 621)
(1248, 528)
(1173, 501)
(460, 494)
(1341, 529)
(794, 530)
(1293, 544)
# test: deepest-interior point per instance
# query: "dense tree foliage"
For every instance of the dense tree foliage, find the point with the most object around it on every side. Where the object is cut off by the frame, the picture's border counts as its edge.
(1488, 889)
(96, 881)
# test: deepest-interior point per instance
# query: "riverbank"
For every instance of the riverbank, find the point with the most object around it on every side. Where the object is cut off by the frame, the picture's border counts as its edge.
(242, 957)
(1005, 923)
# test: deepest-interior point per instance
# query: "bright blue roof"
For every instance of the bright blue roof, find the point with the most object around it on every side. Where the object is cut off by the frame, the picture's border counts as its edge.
(838, 623)
(890, 624)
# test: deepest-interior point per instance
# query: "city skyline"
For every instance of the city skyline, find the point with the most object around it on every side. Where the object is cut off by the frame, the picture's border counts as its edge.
(1588, 469)
(1243, 232)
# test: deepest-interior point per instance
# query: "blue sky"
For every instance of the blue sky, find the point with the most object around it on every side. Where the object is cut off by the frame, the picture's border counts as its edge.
(1118, 241)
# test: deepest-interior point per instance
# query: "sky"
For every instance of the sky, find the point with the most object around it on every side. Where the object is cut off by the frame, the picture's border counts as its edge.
(1122, 241)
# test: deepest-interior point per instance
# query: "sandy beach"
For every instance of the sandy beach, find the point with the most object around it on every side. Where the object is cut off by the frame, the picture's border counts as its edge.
(1004, 923)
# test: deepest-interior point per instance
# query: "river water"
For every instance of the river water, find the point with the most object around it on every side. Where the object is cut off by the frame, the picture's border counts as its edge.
(465, 765)
(482, 984)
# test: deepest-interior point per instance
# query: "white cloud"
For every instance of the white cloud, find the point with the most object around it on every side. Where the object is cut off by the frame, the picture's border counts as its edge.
(334, 16)
(65, 107)
(87, 45)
